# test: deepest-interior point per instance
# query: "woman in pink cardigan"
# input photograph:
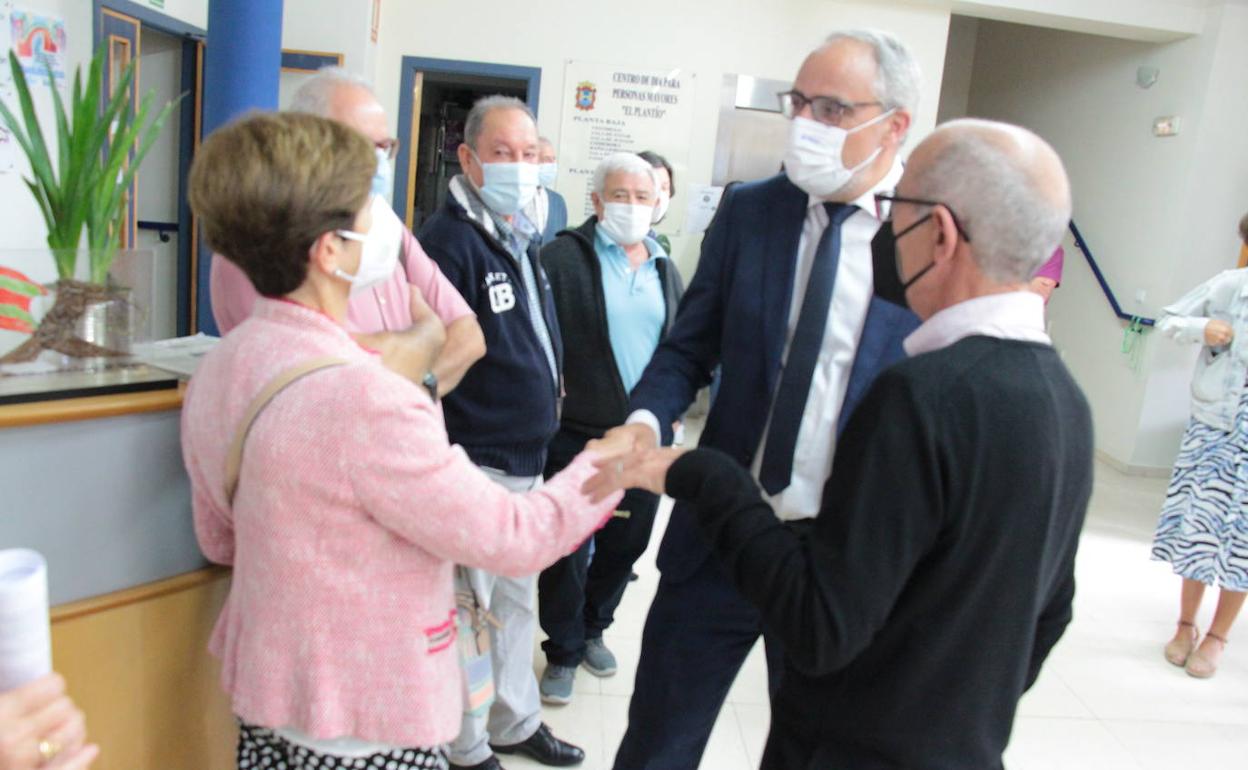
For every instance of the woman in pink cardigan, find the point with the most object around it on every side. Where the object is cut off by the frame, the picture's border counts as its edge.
(337, 641)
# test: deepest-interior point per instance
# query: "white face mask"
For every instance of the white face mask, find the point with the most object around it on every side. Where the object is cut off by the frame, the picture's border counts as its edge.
(546, 173)
(626, 223)
(813, 160)
(507, 187)
(379, 255)
(660, 208)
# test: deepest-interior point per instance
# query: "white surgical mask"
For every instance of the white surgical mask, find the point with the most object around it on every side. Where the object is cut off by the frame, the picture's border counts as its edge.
(383, 178)
(814, 159)
(546, 173)
(507, 187)
(379, 255)
(626, 223)
(660, 208)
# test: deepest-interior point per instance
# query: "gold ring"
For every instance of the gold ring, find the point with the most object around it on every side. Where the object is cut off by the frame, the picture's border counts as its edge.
(48, 750)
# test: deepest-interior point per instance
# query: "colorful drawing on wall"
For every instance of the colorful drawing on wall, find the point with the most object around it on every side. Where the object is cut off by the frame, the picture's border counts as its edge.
(38, 39)
(16, 292)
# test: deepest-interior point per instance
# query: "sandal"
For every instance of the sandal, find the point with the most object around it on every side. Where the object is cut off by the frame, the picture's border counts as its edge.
(1200, 665)
(1178, 650)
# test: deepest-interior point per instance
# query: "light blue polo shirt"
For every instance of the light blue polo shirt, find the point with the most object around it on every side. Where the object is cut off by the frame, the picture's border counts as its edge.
(635, 307)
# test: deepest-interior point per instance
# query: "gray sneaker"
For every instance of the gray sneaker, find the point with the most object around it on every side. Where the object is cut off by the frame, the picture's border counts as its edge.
(598, 660)
(556, 684)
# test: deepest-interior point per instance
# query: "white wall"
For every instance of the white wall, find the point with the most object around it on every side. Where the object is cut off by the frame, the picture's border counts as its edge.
(193, 12)
(955, 86)
(338, 27)
(1154, 20)
(1159, 214)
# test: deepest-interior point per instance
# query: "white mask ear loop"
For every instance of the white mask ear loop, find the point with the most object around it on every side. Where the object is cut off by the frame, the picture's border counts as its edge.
(349, 235)
(870, 158)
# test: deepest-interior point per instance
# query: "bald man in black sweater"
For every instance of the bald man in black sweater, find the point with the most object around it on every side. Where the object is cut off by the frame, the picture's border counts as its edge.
(921, 603)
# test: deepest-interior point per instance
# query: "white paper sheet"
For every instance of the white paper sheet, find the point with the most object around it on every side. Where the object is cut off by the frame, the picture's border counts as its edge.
(703, 200)
(25, 636)
(180, 355)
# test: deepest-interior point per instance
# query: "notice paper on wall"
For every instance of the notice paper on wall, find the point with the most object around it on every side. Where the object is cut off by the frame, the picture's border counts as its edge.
(618, 108)
(25, 636)
(703, 201)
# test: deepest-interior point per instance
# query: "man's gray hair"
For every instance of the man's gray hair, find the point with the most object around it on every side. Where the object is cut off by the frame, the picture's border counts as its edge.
(898, 78)
(484, 106)
(622, 163)
(1014, 219)
(316, 93)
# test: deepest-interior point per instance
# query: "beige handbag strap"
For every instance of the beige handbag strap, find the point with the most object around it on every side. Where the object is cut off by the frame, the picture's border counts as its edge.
(234, 460)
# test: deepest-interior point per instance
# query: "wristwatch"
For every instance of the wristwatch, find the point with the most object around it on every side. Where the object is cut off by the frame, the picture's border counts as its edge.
(430, 381)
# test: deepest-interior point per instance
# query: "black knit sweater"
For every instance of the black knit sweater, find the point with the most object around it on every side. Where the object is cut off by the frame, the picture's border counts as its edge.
(595, 399)
(920, 604)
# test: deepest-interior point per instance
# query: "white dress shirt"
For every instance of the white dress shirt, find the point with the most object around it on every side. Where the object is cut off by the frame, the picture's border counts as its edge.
(851, 296)
(1015, 315)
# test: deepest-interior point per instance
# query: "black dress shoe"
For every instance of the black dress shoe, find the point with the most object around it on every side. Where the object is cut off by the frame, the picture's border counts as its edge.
(491, 763)
(544, 747)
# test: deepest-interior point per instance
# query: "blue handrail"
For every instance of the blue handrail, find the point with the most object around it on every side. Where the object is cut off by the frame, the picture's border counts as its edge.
(1100, 278)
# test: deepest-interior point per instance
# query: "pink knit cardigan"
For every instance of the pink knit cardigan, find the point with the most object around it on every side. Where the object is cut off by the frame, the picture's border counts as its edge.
(350, 512)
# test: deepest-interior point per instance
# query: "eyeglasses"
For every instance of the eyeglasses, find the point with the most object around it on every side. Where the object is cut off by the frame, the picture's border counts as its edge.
(886, 198)
(390, 146)
(826, 109)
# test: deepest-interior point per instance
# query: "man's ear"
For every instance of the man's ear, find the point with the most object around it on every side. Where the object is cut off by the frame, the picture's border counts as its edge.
(464, 153)
(946, 235)
(898, 124)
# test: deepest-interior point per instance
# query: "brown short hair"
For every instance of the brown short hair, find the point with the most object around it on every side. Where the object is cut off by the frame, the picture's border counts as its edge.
(1243, 228)
(266, 186)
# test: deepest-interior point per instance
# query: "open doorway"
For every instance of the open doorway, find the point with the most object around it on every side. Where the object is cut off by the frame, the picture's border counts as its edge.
(158, 218)
(435, 98)
(443, 109)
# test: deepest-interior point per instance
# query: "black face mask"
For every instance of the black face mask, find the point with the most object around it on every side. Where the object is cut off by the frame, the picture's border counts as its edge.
(888, 284)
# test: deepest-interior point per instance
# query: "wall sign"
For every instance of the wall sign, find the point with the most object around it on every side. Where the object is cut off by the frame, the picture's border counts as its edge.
(608, 108)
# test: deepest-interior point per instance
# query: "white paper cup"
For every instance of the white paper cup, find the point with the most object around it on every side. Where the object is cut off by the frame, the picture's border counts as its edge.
(25, 636)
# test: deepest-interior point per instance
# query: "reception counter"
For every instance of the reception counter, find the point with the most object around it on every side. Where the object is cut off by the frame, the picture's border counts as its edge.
(96, 484)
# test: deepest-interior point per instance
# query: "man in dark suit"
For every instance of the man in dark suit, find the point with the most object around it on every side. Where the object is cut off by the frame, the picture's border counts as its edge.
(784, 301)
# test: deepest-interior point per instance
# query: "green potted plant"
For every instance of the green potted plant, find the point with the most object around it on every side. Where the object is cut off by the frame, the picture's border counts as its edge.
(81, 184)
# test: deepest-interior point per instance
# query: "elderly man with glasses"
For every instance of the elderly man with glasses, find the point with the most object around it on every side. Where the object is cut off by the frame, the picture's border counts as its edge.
(783, 300)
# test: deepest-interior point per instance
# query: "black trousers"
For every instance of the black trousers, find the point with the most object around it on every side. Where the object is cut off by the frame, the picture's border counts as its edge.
(698, 633)
(577, 597)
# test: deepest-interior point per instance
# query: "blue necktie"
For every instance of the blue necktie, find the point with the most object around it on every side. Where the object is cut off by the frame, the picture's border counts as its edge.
(790, 399)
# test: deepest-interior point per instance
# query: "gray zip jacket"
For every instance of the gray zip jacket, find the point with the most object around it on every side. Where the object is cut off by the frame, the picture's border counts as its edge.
(1219, 379)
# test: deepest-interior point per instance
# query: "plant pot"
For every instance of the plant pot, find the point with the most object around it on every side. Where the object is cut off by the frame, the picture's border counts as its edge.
(91, 326)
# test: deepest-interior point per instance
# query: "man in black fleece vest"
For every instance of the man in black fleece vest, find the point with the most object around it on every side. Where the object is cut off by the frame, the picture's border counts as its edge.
(922, 601)
(615, 293)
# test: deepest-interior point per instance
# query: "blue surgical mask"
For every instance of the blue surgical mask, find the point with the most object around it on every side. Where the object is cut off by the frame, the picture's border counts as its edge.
(507, 187)
(546, 173)
(383, 178)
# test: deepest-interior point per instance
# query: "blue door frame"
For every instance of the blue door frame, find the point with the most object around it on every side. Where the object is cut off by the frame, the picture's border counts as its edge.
(192, 42)
(531, 76)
